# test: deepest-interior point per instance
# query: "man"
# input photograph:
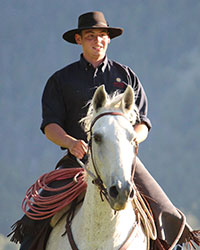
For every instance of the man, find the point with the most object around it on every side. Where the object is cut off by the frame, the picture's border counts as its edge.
(64, 104)
(94, 42)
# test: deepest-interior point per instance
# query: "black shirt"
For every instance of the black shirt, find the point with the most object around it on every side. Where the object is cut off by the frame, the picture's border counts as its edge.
(68, 91)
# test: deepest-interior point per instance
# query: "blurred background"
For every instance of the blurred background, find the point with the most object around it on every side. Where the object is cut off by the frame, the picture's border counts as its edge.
(161, 43)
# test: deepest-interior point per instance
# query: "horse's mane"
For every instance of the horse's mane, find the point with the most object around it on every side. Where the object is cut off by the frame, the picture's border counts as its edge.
(113, 103)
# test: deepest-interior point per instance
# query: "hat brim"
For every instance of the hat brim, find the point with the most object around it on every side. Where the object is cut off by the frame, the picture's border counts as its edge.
(69, 36)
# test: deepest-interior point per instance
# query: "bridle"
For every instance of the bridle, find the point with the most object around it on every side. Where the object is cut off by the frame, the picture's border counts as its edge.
(96, 178)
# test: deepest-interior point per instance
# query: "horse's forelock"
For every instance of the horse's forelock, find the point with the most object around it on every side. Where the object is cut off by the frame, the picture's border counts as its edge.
(112, 104)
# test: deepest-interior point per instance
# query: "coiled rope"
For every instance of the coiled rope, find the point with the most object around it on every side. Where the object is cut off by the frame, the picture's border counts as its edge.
(39, 207)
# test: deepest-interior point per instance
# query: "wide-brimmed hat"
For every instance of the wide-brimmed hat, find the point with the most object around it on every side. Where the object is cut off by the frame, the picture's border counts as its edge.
(92, 20)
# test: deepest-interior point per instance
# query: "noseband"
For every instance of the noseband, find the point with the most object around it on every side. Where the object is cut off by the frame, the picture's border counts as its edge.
(97, 179)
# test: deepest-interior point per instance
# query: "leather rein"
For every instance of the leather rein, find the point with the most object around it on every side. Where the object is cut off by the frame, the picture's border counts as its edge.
(99, 183)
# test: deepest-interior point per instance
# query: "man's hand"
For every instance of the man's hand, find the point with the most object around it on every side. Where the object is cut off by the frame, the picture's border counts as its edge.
(78, 148)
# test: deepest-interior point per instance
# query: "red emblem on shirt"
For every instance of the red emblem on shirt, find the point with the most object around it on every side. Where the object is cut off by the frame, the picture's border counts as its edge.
(119, 83)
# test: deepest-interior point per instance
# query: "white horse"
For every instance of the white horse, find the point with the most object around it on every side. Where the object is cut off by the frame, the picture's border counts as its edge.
(107, 225)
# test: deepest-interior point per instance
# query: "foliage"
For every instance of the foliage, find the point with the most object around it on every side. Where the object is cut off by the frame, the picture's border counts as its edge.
(6, 245)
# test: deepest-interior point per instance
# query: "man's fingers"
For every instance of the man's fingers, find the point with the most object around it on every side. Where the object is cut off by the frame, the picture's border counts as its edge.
(79, 149)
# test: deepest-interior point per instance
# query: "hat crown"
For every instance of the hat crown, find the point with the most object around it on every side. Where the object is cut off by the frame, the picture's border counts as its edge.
(92, 19)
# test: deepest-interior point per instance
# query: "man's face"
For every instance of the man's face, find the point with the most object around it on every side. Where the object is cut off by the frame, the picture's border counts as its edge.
(94, 43)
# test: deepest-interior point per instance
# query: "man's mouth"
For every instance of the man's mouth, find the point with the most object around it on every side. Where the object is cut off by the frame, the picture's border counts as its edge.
(98, 48)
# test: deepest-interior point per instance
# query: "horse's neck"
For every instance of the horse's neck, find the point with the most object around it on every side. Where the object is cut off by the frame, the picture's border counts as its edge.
(98, 222)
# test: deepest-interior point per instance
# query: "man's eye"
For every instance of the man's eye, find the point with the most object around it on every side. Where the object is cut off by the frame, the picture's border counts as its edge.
(90, 37)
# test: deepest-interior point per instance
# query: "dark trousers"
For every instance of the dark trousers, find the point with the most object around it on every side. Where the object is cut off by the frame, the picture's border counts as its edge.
(26, 243)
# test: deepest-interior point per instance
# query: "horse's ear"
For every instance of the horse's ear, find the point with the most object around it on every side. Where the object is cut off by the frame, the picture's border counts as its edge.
(128, 99)
(99, 98)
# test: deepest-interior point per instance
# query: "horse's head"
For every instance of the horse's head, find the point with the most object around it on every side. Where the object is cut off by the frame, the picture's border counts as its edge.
(111, 121)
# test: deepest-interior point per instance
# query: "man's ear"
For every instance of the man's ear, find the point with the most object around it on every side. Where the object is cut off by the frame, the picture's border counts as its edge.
(78, 39)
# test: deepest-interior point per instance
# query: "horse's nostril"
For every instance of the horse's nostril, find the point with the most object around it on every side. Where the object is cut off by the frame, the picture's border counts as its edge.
(132, 194)
(113, 192)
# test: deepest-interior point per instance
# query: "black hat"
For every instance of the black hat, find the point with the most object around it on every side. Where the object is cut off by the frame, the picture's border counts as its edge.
(92, 20)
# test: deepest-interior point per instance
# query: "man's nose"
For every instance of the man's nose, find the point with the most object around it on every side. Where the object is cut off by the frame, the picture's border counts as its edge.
(98, 38)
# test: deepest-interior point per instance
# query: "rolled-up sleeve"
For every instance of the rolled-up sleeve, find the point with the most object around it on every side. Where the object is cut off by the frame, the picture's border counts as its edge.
(53, 108)
(141, 100)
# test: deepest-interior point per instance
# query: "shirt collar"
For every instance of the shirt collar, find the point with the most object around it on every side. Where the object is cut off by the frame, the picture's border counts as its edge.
(86, 65)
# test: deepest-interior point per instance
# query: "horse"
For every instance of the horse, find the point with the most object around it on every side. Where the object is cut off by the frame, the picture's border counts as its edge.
(108, 218)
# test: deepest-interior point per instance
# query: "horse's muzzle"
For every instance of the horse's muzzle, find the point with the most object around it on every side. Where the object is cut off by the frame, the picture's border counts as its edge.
(119, 194)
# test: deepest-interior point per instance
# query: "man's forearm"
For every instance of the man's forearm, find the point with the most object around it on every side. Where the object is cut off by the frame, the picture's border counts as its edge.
(57, 135)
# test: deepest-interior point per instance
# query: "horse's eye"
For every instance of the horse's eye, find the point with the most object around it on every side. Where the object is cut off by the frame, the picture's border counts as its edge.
(97, 138)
